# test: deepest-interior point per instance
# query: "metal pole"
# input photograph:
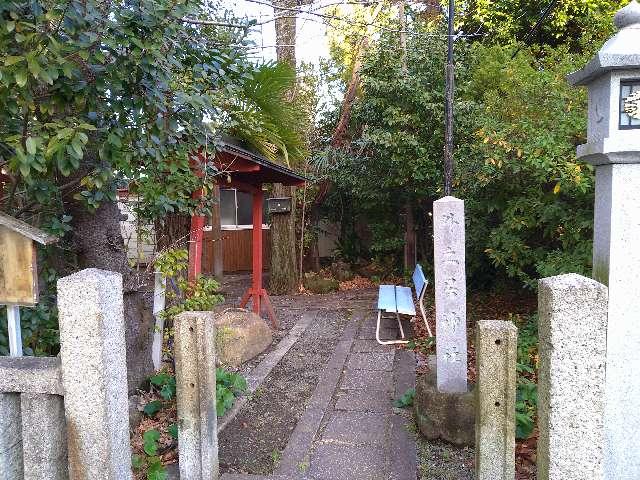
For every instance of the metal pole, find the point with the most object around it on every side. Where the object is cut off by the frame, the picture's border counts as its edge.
(450, 84)
(15, 333)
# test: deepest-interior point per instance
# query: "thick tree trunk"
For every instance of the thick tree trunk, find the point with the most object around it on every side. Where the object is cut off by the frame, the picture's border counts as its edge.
(98, 243)
(284, 272)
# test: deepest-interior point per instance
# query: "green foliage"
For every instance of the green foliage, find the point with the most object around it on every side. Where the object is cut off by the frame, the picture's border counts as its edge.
(150, 439)
(229, 385)
(509, 20)
(529, 201)
(152, 407)
(166, 383)
(151, 462)
(528, 198)
(200, 295)
(173, 262)
(406, 400)
(526, 388)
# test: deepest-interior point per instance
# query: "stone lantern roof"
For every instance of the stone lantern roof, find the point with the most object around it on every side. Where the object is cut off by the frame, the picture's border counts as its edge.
(620, 52)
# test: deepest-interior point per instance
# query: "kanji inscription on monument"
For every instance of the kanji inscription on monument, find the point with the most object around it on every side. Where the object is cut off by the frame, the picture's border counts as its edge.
(451, 298)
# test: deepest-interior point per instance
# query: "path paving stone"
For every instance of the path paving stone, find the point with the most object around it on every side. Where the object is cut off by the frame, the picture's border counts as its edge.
(371, 361)
(368, 380)
(370, 345)
(350, 430)
(345, 462)
(356, 428)
(361, 401)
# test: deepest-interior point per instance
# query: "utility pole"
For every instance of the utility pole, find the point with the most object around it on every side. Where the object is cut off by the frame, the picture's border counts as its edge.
(449, 88)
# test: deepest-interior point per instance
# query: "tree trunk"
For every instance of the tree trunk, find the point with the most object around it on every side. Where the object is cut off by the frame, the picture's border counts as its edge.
(98, 243)
(284, 272)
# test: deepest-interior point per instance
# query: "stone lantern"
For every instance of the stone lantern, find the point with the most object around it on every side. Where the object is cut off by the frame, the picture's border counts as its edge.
(613, 147)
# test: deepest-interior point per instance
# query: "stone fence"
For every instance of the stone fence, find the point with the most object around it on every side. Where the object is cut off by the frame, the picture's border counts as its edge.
(67, 417)
(571, 385)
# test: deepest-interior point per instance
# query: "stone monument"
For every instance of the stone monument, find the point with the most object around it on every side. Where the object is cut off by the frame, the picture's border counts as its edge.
(613, 147)
(444, 403)
(451, 297)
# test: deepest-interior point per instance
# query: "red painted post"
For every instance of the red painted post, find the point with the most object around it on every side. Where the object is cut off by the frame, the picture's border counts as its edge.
(257, 249)
(195, 243)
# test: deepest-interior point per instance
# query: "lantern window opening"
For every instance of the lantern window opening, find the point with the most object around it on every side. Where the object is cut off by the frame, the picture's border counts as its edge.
(630, 104)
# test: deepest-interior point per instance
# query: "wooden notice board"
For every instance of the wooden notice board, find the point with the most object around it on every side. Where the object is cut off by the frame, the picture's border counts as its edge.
(18, 271)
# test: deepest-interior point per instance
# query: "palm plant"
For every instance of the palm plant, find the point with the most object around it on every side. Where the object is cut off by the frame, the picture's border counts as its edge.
(265, 116)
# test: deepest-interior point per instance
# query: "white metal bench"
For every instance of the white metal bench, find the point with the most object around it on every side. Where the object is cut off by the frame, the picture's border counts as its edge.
(399, 300)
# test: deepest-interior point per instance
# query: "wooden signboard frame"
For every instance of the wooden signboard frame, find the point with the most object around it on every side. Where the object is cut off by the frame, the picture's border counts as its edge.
(18, 269)
(18, 261)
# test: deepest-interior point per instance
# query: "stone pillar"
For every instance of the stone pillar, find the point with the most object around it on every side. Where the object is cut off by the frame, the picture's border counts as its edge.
(451, 294)
(195, 359)
(10, 437)
(496, 353)
(44, 437)
(613, 147)
(571, 379)
(94, 375)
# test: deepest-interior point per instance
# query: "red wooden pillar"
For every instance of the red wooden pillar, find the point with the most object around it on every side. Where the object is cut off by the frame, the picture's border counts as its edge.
(257, 249)
(195, 242)
(257, 294)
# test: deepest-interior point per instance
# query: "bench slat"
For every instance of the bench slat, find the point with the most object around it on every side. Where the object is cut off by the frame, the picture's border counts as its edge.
(419, 280)
(387, 298)
(404, 301)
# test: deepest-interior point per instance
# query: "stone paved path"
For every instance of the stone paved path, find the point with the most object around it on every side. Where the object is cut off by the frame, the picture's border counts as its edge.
(350, 430)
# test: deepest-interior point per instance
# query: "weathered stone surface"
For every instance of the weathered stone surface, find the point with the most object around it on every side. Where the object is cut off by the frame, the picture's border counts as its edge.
(367, 380)
(614, 148)
(356, 428)
(448, 416)
(241, 335)
(195, 342)
(371, 361)
(496, 353)
(333, 462)
(44, 437)
(359, 401)
(571, 381)
(94, 375)
(10, 437)
(450, 294)
(30, 374)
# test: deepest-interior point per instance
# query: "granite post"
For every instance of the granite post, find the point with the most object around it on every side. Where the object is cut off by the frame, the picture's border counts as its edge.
(496, 353)
(613, 147)
(451, 296)
(195, 359)
(94, 375)
(10, 437)
(44, 438)
(571, 379)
